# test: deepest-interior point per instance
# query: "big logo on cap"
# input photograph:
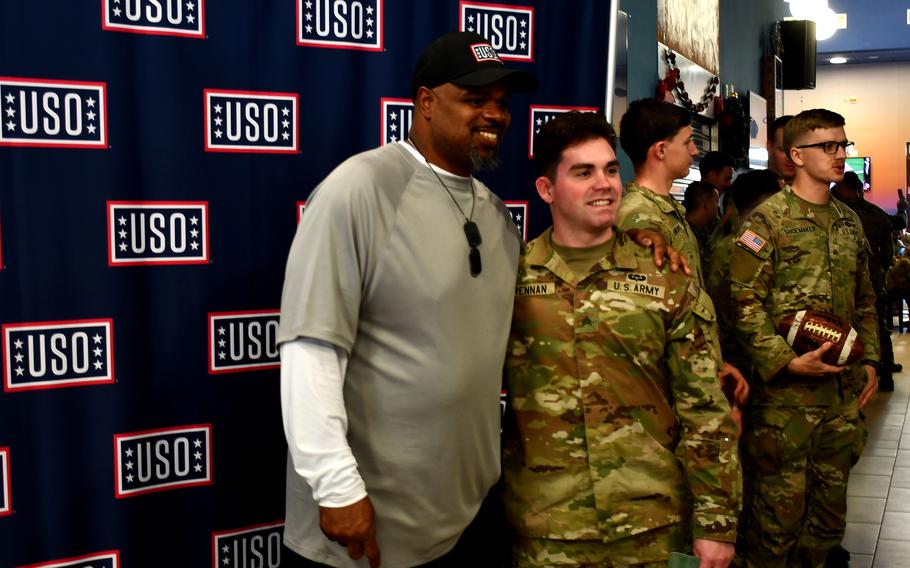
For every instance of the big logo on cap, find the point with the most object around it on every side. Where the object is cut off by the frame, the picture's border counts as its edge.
(251, 121)
(243, 341)
(340, 24)
(509, 29)
(54, 354)
(43, 112)
(541, 115)
(484, 52)
(106, 559)
(157, 232)
(158, 17)
(163, 459)
(257, 545)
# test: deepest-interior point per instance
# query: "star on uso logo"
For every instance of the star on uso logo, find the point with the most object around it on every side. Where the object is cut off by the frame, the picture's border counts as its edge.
(340, 24)
(6, 505)
(163, 459)
(541, 115)
(395, 117)
(301, 207)
(42, 112)
(157, 17)
(257, 546)
(509, 29)
(56, 354)
(157, 232)
(243, 341)
(251, 121)
(519, 212)
(106, 559)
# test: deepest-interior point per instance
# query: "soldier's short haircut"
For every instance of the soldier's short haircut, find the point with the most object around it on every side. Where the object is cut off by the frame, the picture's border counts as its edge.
(778, 123)
(646, 122)
(715, 162)
(697, 193)
(807, 121)
(568, 129)
(751, 188)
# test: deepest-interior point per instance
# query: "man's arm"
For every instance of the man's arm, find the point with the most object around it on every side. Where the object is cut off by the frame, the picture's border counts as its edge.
(315, 425)
(751, 276)
(708, 448)
(865, 317)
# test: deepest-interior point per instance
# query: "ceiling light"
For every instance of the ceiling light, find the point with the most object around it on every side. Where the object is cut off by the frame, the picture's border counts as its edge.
(807, 9)
(825, 24)
(837, 60)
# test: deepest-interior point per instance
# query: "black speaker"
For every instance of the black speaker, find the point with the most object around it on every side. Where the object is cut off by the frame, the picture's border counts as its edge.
(797, 38)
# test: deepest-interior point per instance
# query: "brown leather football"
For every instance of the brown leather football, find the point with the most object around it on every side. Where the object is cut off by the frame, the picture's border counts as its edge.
(807, 330)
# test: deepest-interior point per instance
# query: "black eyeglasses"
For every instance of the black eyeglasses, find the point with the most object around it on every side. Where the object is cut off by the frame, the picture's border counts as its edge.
(472, 233)
(831, 146)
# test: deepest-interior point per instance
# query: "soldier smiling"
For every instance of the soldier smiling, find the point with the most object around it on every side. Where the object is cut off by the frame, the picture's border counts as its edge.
(619, 447)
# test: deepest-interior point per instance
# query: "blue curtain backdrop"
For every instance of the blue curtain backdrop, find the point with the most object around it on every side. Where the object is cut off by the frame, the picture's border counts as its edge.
(154, 158)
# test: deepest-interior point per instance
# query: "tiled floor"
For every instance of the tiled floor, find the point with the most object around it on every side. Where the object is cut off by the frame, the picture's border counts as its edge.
(878, 497)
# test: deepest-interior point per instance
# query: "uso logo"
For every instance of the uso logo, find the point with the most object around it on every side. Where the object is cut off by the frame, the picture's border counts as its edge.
(257, 546)
(251, 121)
(519, 212)
(541, 115)
(243, 341)
(301, 207)
(6, 501)
(395, 116)
(106, 559)
(158, 17)
(42, 112)
(55, 354)
(340, 24)
(157, 232)
(509, 29)
(163, 459)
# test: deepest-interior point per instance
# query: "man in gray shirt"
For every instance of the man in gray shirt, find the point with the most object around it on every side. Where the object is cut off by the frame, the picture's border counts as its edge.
(394, 318)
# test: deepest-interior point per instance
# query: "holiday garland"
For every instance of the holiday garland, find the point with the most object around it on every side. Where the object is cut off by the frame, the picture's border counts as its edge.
(673, 84)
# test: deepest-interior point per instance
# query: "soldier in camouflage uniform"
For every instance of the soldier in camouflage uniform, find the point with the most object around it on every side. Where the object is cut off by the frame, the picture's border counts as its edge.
(658, 138)
(802, 250)
(618, 447)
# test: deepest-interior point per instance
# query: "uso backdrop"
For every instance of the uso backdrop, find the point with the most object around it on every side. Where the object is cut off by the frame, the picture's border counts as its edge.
(155, 156)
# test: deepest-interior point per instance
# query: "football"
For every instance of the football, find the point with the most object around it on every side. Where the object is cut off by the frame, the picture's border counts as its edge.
(807, 330)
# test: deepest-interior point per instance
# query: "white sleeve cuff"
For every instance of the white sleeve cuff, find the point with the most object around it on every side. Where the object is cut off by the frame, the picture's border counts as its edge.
(316, 423)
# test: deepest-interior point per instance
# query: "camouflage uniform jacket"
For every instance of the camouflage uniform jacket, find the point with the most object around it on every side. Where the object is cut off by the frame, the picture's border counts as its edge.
(785, 260)
(617, 424)
(641, 208)
(717, 284)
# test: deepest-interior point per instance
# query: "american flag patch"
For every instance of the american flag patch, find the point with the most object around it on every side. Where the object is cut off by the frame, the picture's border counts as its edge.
(752, 241)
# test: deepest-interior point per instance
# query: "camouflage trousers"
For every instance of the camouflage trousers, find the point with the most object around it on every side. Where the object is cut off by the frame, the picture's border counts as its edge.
(646, 550)
(799, 460)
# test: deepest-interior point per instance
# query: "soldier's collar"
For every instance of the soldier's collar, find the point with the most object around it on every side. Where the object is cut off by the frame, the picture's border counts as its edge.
(797, 211)
(666, 204)
(623, 254)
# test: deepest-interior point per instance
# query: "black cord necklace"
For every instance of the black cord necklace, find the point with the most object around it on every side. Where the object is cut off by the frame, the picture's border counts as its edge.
(471, 231)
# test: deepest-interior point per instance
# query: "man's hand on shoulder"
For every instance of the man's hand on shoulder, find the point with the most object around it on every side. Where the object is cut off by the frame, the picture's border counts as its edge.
(658, 243)
(713, 553)
(811, 364)
(354, 527)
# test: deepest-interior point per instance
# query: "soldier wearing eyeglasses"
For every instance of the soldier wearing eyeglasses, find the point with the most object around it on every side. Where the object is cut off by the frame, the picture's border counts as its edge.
(801, 250)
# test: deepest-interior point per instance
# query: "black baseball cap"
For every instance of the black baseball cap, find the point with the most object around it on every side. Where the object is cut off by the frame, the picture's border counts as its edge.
(468, 60)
